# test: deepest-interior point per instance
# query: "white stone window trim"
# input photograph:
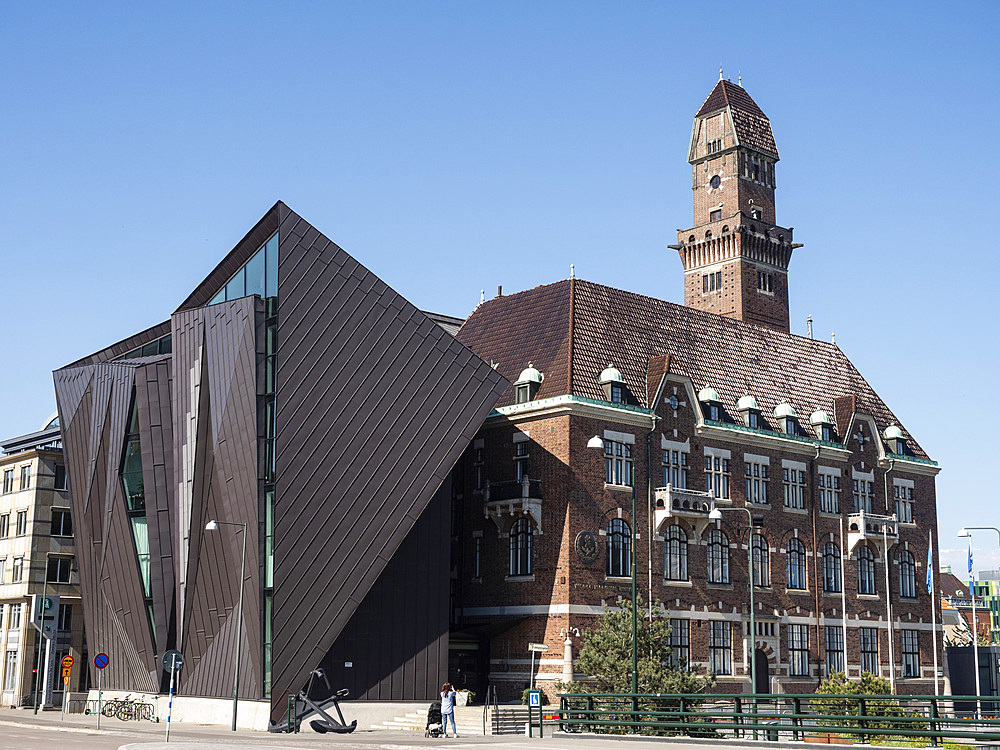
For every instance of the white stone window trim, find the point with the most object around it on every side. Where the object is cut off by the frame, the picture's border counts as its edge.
(868, 476)
(902, 483)
(522, 437)
(797, 465)
(718, 453)
(673, 445)
(619, 437)
(832, 470)
(753, 458)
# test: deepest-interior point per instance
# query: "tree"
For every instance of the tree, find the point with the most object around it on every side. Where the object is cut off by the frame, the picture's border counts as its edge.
(606, 654)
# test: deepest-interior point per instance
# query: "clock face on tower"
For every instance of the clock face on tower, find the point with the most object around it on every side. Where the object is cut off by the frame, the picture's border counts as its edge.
(715, 182)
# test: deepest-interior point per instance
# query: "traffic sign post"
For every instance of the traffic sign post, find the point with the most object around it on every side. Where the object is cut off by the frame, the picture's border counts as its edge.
(535, 648)
(100, 661)
(173, 660)
(67, 665)
(534, 701)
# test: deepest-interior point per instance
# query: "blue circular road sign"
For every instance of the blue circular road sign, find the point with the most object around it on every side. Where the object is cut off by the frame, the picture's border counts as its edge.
(101, 661)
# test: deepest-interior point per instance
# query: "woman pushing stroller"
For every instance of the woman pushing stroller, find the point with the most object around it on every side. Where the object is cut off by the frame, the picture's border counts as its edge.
(448, 708)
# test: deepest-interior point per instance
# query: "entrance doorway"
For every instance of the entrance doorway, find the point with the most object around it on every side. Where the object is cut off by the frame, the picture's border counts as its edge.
(762, 672)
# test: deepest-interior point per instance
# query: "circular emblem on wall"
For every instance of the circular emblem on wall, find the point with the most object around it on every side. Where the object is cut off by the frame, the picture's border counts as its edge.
(586, 546)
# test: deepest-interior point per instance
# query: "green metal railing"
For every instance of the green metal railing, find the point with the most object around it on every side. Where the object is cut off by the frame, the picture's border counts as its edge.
(784, 717)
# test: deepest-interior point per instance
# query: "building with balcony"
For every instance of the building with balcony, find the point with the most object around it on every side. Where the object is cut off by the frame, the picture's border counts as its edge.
(37, 566)
(713, 403)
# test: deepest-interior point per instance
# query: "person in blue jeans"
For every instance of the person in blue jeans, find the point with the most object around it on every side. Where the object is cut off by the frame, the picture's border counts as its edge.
(448, 708)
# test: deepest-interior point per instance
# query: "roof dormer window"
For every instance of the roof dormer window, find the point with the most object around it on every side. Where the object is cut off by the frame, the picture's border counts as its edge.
(747, 407)
(895, 439)
(613, 385)
(527, 384)
(711, 404)
(823, 425)
(786, 417)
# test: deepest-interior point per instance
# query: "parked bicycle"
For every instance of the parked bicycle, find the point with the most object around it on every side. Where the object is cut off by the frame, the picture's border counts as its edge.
(128, 709)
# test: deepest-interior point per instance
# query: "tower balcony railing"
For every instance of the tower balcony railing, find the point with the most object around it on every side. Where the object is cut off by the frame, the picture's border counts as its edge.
(869, 527)
(514, 497)
(675, 502)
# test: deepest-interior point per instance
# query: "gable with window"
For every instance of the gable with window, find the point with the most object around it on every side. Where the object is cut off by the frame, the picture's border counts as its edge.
(619, 549)
(795, 564)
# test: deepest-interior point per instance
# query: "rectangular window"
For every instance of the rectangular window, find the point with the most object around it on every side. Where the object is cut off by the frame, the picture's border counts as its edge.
(4, 525)
(675, 469)
(869, 650)
(756, 474)
(711, 282)
(862, 496)
(65, 622)
(8, 481)
(717, 476)
(477, 466)
(798, 650)
(25, 477)
(3, 575)
(17, 570)
(520, 460)
(22, 523)
(715, 215)
(904, 503)
(58, 569)
(795, 488)
(911, 653)
(62, 522)
(765, 281)
(720, 650)
(477, 557)
(60, 478)
(15, 617)
(829, 492)
(10, 671)
(680, 643)
(617, 463)
(834, 649)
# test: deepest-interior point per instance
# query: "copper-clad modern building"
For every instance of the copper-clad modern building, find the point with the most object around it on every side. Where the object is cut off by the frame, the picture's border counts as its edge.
(295, 392)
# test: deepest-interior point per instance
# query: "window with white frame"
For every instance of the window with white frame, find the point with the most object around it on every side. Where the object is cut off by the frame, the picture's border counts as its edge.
(617, 463)
(831, 568)
(862, 495)
(869, 650)
(8, 481)
(834, 647)
(907, 575)
(761, 561)
(3, 576)
(866, 571)
(718, 557)
(720, 647)
(62, 522)
(520, 547)
(17, 570)
(675, 554)
(10, 671)
(619, 549)
(756, 476)
(680, 643)
(911, 653)
(798, 650)
(26, 477)
(794, 481)
(795, 564)
(902, 491)
(14, 621)
(675, 469)
(829, 490)
(22, 523)
(4, 525)
(58, 569)
(717, 474)
(520, 459)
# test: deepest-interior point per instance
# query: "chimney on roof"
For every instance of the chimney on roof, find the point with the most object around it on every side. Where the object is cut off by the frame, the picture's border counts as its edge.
(809, 325)
(499, 291)
(572, 271)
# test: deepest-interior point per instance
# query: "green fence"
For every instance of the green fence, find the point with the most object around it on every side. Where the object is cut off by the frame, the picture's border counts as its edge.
(863, 718)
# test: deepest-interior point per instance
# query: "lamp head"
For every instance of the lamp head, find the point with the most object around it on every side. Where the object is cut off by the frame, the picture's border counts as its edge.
(715, 515)
(964, 532)
(212, 526)
(596, 442)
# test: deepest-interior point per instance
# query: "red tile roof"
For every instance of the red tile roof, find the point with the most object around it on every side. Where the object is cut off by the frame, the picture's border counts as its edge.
(573, 329)
(753, 129)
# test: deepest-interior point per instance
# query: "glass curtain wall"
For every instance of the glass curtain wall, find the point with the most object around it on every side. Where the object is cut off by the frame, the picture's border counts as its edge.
(135, 507)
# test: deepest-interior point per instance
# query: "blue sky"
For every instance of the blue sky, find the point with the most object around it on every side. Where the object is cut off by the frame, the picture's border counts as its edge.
(452, 147)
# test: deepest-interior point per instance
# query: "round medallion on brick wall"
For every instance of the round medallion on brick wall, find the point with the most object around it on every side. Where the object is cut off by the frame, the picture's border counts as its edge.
(586, 546)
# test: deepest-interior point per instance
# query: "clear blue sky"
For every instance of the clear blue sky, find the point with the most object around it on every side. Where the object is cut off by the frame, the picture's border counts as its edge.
(454, 146)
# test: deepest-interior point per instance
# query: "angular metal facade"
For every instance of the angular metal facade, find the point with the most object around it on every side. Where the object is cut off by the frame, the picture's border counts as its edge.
(375, 403)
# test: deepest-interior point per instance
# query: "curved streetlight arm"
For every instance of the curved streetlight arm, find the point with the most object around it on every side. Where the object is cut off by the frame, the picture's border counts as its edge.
(716, 515)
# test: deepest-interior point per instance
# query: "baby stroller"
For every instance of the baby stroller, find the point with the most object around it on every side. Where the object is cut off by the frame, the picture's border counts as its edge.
(434, 720)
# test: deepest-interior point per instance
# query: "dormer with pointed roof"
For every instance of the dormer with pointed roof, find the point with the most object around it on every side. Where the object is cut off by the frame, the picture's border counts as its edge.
(735, 257)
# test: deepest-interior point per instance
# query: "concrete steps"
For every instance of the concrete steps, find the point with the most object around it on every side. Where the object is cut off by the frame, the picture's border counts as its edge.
(468, 721)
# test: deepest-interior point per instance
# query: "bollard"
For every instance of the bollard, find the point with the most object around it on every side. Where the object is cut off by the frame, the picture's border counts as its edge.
(292, 724)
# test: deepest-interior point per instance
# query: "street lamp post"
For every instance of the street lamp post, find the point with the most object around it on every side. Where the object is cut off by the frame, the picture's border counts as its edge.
(597, 442)
(716, 515)
(214, 526)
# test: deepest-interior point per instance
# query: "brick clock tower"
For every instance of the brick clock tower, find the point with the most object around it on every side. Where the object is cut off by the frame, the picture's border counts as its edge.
(735, 257)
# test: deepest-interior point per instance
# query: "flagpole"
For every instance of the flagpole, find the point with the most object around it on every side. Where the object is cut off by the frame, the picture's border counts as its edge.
(975, 628)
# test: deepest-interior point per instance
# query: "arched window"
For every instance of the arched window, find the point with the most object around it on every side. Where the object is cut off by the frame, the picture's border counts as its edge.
(761, 562)
(907, 575)
(520, 547)
(619, 548)
(831, 568)
(866, 571)
(795, 564)
(718, 557)
(675, 554)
